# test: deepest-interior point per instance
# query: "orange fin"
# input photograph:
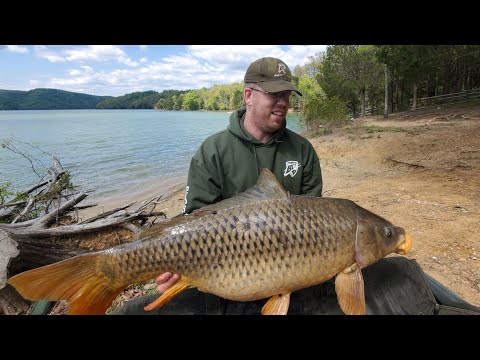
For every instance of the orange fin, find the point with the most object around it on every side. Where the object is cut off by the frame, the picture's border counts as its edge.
(179, 286)
(350, 290)
(75, 280)
(277, 305)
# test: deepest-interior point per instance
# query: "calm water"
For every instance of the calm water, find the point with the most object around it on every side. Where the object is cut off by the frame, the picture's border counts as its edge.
(108, 151)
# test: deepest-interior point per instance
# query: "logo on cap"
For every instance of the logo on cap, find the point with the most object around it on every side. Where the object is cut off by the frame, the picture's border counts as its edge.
(282, 70)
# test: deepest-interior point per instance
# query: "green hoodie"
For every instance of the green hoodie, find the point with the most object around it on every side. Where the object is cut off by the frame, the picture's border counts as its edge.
(229, 162)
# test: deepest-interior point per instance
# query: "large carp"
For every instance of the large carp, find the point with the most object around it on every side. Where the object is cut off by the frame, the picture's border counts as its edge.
(262, 243)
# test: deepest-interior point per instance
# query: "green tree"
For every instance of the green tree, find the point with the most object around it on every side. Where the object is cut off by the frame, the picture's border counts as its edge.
(191, 101)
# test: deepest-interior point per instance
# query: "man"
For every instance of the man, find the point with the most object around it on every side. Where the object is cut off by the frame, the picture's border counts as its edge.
(229, 162)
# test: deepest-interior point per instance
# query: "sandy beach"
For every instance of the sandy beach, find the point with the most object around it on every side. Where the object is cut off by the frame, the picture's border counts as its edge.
(172, 191)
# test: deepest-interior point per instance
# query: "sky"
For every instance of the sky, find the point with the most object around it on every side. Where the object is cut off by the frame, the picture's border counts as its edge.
(114, 70)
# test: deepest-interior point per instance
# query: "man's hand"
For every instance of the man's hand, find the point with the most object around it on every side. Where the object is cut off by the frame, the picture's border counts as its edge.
(165, 280)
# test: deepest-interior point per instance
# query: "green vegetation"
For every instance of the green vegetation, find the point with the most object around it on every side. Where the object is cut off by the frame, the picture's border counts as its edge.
(47, 99)
(4, 192)
(138, 100)
(218, 97)
(374, 129)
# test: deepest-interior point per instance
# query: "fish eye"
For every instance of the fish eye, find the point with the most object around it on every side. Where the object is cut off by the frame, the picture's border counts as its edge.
(388, 232)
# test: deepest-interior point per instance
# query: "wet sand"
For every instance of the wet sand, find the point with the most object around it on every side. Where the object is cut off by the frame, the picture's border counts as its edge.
(139, 194)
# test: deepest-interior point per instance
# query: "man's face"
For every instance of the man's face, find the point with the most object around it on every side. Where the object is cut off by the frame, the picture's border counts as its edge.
(269, 110)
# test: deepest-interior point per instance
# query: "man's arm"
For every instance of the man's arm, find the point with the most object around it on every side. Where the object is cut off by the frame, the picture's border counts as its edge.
(203, 185)
(312, 183)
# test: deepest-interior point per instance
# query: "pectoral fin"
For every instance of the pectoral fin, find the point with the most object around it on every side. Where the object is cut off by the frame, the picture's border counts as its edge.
(277, 305)
(367, 250)
(168, 295)
(350, 291)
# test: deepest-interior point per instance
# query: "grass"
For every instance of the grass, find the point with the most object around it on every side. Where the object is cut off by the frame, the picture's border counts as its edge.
(371, 129)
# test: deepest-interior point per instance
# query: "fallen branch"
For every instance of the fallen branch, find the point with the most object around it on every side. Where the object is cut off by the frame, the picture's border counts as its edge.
(132, 228)
(27, 208)
(11, 303)
(86, 206)
(8, 251)
(18, 203)
(105, 214)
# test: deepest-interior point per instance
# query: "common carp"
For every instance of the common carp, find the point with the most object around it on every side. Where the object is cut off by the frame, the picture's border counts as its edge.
(261, 243)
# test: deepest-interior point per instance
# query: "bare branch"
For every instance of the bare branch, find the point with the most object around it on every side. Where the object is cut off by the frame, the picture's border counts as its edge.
(38, 232)
(132, 228)
(25, 210)
(105, 214)
(36, 186)
(79, 207)
(18, 203)
(49, 218)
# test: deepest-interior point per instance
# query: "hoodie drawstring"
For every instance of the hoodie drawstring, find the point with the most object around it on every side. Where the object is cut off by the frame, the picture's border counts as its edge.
(256, 159)
(274, 155)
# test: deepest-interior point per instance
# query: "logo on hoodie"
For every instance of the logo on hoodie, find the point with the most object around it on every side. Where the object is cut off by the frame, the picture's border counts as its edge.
(291, 168)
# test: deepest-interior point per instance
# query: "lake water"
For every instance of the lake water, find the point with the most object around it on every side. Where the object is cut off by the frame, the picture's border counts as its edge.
(109, 152)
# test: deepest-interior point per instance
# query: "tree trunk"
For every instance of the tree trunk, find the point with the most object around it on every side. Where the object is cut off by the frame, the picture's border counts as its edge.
(414, 104)
(385, 112)
(11, 303)
(8, 251)
(362, 102)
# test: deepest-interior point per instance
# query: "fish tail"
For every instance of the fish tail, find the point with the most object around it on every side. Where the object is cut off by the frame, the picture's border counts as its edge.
(76, 280)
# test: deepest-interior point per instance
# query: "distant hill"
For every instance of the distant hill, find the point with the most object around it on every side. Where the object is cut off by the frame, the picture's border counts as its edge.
(138, 100)
(53, 99)
(47, 99)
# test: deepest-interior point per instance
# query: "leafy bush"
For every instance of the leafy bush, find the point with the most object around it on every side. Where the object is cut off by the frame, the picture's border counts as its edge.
(4, 192)
(324, 114)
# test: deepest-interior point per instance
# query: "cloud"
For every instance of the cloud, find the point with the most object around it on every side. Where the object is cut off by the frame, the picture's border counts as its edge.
(192, 68)
(143, 47)
(238, 57)
(16, 49)
(234, 55)
(84, 54)
(44, 52)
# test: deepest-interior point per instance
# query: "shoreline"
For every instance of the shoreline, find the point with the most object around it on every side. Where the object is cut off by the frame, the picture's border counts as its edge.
(165, 186)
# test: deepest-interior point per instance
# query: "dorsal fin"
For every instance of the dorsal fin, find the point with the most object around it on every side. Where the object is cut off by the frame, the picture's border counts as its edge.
(157, 229)
(267, 188)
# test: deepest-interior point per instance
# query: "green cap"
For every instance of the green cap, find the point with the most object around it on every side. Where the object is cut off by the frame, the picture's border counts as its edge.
(271, 74)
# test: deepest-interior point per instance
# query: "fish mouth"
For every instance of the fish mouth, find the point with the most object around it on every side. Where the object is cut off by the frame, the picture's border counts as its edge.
(405, 246)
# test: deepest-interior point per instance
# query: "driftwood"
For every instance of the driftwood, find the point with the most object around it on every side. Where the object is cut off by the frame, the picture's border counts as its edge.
(31, 239)
(11, 303)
